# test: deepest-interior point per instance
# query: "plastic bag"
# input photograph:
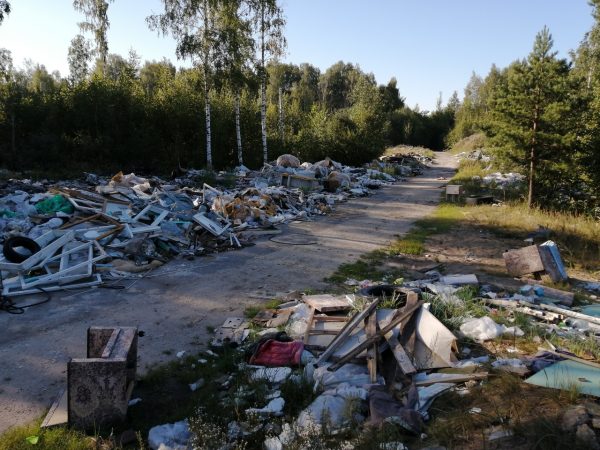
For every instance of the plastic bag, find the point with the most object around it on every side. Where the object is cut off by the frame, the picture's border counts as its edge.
(482, 329)
(55, 204)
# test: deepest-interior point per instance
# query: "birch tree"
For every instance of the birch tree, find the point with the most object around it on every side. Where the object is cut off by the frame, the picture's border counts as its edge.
(79, 54)
(235, 54)
(268, 24)
(193, 25)
(96, 22)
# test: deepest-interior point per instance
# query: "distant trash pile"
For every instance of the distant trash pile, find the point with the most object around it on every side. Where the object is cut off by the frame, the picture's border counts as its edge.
(503, 180)
(76, 234)
(475, 155)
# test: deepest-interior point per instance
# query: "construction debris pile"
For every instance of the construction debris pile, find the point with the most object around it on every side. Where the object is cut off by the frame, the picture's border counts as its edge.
(77, 234)
(383, 355)
(501, 180)
(405, 164)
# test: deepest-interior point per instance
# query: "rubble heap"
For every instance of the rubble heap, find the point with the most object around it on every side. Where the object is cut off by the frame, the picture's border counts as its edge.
(79, 233)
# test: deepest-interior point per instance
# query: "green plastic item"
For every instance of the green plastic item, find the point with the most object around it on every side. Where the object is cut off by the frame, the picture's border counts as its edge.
(33, 440)
(6, 214)
(55, 204)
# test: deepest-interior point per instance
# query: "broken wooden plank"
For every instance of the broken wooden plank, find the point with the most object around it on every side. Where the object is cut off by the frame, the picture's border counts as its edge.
(371, 329)
(327, 302)
(562, 311)
(523, 261)
(564, 297)
(399, 353)
(348, 328)
(309, 325)
(401, 316)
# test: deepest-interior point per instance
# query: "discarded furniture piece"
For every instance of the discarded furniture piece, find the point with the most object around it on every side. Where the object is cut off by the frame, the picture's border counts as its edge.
(553, 264)
(536, 259)
(523, 261)
(327, 302)
(321, 329)
(99, 386)
(453, 192)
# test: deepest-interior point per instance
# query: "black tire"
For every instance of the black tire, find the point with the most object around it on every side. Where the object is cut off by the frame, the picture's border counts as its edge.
(19, 241)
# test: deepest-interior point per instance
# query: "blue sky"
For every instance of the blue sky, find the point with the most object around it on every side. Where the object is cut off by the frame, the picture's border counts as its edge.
(428, 45)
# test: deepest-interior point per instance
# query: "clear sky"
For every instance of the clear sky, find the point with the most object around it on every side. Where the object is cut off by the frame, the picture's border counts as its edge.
(430, 46)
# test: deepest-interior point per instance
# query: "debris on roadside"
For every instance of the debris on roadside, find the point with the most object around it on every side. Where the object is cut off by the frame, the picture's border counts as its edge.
(77, 234)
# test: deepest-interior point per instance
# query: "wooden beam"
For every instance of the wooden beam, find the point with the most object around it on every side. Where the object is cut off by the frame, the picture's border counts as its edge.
(345, 332)
(401, 316)
(402, 358)
(371, 329)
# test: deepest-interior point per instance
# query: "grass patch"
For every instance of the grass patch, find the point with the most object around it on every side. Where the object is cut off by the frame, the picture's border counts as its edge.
(252, 310)
(578, 237)
(444, 218)
(365, 268)
(48, 439)
(452, 312)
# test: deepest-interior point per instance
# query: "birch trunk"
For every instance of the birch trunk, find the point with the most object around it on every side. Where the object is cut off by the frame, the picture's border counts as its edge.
(238, 130)
(209, 165)
(263, 119)
(281, 118)
(263, 89)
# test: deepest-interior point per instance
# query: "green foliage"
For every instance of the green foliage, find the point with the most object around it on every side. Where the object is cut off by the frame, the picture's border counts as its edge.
(4, 9)
(60, 438)
(533, 118)
(96, 22)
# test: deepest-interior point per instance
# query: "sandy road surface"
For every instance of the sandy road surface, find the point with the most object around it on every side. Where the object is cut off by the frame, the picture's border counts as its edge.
(175, 309)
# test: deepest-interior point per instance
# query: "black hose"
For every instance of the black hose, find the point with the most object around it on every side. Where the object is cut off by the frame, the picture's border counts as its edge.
(8, 305)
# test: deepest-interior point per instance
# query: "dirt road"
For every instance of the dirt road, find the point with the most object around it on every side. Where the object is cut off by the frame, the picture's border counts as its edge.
(175, 308)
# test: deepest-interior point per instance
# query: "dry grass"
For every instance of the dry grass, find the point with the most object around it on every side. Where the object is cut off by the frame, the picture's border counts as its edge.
(578, 237)
(474, 142)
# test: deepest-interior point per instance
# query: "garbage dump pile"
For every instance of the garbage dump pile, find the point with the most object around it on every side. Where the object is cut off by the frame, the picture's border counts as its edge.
(407, 164)
(74, 234)
(382, 356)
(475, 155)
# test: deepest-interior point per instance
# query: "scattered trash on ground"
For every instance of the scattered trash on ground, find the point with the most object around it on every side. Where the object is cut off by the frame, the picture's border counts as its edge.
(81, 234)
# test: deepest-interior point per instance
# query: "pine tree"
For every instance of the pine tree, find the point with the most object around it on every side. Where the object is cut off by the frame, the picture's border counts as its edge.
(531, 121)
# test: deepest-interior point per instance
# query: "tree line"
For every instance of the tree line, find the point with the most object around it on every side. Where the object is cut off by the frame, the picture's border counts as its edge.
(237, 104)
(541, 116)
